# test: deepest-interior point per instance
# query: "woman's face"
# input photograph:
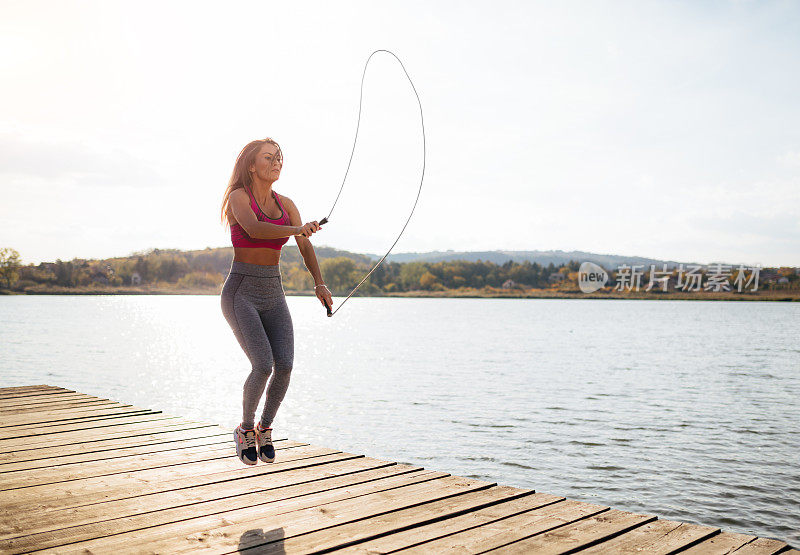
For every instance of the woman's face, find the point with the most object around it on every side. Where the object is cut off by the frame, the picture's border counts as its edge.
(268, 163)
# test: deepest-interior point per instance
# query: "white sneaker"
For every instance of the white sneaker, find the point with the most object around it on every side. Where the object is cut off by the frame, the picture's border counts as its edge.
(266, 452)
(245, 445)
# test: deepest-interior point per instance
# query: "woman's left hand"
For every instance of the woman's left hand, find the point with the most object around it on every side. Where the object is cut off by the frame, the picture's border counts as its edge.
(323, 294)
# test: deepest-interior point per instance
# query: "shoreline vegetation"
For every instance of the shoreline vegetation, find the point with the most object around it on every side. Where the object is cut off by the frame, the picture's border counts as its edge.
(464, 293)
(203, 272)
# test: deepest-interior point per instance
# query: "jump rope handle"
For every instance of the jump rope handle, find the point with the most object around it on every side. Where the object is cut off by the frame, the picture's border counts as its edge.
(327, 306)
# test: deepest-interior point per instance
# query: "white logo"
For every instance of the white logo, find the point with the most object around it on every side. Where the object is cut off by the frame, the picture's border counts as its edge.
(591, 277)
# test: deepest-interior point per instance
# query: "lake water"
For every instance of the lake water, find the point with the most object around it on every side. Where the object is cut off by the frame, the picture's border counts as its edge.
(683, 409)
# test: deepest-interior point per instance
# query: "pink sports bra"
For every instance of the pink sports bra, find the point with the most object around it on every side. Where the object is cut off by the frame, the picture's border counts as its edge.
(240, 238)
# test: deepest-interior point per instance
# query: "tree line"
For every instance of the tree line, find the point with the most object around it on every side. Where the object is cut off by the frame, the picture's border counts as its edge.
(209, 268)
(341, 270)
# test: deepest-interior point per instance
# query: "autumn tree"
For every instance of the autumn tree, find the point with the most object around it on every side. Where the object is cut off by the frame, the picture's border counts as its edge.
(339, 273)
(427, 281)
(9, 266)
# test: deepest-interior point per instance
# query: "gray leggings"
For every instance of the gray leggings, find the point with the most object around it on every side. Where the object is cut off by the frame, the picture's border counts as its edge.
(254, 305)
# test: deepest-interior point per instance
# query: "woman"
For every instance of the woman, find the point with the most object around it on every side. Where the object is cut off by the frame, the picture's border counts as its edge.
(253, 300)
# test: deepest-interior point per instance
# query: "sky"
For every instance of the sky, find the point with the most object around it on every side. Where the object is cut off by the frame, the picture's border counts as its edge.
(669, 130)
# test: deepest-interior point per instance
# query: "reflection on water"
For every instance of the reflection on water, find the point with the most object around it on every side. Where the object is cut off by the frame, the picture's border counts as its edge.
(687, 410)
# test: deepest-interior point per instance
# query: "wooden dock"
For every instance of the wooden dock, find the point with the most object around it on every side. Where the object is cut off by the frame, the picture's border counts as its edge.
(82, 474)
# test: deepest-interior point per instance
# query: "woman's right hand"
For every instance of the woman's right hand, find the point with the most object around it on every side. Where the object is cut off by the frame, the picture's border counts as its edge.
(308, 229)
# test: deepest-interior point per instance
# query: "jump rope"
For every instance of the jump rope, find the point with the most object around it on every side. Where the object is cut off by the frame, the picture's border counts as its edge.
(355, 140)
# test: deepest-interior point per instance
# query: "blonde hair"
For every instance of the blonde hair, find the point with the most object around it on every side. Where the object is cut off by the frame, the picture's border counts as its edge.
(240, 177)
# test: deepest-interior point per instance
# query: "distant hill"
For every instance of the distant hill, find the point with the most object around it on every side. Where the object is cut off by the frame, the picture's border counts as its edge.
(557, 257)
(219, 258)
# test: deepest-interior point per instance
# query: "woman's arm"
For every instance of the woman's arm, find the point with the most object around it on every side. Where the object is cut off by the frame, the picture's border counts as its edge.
(240, 206)
(303, 243)
(309, 257)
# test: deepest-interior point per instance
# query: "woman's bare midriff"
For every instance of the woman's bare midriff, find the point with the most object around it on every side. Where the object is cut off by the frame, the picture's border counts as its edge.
(261, 255)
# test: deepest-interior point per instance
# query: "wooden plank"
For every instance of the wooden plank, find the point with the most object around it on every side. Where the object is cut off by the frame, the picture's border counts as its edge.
(46, 419)
(38, 405)
(33, 398)
(454, 523)
(110, 422)
(46, 427)
(497, 532)
(57, 406)
(659, 536)
(724, 542)
(4, 393)
(37, 415)
(199, 500)
(131, 484)
(39, 391)
(35, 395)
(25, 387)
(57, 461)
(62, 399)
(583, 533)
(124, 533)
(92, 491)
(290, 471)
(29, 388)
(233, 529)
(419, 522)
(334, 511)
(148, 425)
(761, 546)
(94, 469)
(50, 456)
